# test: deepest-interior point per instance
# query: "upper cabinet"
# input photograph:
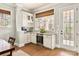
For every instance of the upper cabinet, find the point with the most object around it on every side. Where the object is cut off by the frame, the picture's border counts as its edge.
(27, 20)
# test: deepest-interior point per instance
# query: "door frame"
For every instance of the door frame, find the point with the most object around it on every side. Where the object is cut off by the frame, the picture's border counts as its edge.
(61, 23)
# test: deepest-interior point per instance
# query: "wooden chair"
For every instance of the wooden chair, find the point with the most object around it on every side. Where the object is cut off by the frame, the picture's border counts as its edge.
(11, 40)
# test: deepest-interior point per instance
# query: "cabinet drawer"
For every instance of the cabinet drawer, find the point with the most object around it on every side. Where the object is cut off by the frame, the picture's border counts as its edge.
(47, 38)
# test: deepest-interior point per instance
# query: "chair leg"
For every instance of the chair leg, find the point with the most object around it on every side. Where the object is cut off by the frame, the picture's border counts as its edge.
(10, 53)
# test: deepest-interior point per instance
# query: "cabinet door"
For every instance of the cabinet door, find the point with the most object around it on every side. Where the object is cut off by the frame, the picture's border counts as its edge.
(25, 19)
(33, 38)
(53, 41)
(25, 38)
(48, 41)
(28, 38)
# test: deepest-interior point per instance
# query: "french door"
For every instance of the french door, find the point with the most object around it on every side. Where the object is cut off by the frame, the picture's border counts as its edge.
(68, 28)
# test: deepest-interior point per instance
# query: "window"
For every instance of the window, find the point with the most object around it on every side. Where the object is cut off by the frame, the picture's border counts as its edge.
(4, 18)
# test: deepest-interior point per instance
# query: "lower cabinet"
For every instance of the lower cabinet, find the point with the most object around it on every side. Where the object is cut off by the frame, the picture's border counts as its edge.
(53, 41)
(28, 38)
(33, 38)
(49, 41)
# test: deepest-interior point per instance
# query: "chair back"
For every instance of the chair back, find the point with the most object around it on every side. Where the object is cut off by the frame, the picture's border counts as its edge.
(11, 40)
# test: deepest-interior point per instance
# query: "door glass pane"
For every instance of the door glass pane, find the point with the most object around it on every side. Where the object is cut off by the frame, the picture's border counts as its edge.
(68, 27)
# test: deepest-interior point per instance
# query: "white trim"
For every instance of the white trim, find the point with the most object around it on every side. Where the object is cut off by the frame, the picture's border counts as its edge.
(16, 44)
(44, 8)
(19, 45)
(58, 46)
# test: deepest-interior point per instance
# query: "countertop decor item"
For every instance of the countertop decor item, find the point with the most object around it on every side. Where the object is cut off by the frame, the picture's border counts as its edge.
(42, 30)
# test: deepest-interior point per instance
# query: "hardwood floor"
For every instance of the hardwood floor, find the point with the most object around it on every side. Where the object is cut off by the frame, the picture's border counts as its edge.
(36, 50)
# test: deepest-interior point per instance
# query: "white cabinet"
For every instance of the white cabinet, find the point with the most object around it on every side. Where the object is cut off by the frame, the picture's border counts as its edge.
(25, 38)
(49, 41)
(53, 41)
(33, 38)
(28, 38)
(27, 19)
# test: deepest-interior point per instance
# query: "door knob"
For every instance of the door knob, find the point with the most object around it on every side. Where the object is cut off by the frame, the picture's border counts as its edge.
(61, 32)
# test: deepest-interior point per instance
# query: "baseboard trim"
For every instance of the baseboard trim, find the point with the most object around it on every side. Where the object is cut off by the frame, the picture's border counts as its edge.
(19, 45)
(58, 46)
(16, 44)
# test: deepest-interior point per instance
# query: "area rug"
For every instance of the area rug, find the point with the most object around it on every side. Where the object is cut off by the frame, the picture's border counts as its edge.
(20, 53)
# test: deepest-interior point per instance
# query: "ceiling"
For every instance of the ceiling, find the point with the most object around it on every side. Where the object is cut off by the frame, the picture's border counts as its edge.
(31, 6)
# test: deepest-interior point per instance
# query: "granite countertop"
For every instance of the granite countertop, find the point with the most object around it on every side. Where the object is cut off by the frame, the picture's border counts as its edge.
(47, 33)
